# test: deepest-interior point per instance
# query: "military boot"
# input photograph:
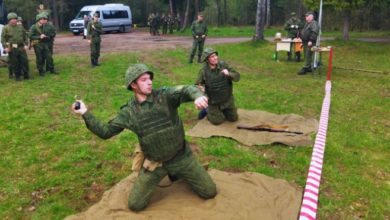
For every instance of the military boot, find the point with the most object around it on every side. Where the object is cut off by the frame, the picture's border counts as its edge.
(199, 58)
(93, 63)
(303, 71)
(97, 62)
(10, 75)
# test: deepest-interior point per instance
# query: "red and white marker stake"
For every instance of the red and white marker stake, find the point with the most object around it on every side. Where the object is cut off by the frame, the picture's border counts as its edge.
(310, 197)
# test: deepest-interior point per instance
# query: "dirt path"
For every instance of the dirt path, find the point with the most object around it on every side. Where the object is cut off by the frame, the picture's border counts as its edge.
(134, 41)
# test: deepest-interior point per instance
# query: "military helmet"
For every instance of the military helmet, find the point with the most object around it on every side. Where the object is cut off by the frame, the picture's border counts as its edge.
(96, 14)
(309, 13)
(12, 15)
(135, 71)
(208, 52)
(41, 16)
(20, 18)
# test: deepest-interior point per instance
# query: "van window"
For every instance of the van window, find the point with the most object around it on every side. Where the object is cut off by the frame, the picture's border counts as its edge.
(110, 14)
(81, 14)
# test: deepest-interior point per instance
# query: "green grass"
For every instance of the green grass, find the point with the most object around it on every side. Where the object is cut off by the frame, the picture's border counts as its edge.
(51, 162)
(249, 31)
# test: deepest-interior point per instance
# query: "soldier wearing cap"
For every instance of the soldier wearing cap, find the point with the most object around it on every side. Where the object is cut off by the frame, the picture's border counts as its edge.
(293, 26)
(14, 39)
(216, 78)
(153, 116)
(42, 34)
(94, 30)
(309, 35)
(199, 33)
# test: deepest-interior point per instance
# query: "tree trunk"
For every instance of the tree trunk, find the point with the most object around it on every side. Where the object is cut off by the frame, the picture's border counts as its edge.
(300, 9)
(196, 8)
(268, 22)
(171, 8)
(260, 20)
(186, 16)
(55, 14)
(225, 12)
(219, 12)
(347, 17)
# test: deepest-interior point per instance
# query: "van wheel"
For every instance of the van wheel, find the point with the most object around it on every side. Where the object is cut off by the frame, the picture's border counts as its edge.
(122, 29)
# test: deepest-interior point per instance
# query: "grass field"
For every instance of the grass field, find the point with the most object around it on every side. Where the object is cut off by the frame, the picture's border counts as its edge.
(51, 166)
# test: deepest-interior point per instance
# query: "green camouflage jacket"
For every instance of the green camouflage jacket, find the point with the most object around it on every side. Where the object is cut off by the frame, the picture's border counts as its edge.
(94, 34)
(310, 32)
(126, 119)
(47, 29)
(199, 28)
(13, 35)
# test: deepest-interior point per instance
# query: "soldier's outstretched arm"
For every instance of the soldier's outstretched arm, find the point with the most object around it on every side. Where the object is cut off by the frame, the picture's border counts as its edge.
(102, 130)
(180, 94)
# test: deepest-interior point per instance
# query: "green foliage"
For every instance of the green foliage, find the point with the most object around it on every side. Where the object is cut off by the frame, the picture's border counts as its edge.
(51, 162)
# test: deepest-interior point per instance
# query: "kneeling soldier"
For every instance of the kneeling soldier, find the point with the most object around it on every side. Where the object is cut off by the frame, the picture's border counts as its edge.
(216, 79)
(153, 116)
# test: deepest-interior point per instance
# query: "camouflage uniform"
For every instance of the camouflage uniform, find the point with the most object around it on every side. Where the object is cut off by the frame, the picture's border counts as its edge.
(219, 89)
(155, 24)
(309, 33)
(94, 30)
(164, 21)
(171, 23)
(15, 38)
(293, 26)
(161, 135)
(198, 29)
(42, 47)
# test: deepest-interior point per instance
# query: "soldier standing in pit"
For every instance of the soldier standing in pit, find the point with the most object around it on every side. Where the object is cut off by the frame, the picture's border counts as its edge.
(216, 79)
(293, 27)
(95, 29)
(153, 116)
(42, 35)
(15, 41)
(309, 37)
(199, 33)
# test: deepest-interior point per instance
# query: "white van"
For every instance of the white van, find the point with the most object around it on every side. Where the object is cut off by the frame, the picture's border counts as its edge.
(114, 17)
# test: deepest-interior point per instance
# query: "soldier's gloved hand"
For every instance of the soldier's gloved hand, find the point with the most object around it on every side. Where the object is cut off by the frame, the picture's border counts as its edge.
(292, 26)
(25, 47)
(82, 110)
(203, 36)
(309, 43)
(225, 72)
(42, 36)
(196, 36)
(201, 102)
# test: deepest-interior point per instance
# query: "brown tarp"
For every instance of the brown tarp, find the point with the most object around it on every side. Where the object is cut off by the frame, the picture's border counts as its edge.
(294, 122)
(241, 196)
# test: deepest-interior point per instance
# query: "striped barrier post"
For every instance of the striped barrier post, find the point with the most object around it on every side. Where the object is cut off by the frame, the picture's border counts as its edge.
(310, 197)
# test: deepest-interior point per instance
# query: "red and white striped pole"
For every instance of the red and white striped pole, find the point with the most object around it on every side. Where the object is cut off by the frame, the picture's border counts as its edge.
(310, 197)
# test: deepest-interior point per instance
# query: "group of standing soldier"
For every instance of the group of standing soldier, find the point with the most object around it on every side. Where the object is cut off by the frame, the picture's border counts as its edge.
(307, 34)
(167, 22)
(15, 40)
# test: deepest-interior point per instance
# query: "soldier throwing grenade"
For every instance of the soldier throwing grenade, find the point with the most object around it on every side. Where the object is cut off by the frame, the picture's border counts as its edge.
(153, 116)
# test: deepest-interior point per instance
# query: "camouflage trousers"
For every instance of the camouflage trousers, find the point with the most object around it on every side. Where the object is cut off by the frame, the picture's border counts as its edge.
(18, 62)
(44, 56)
(184, 166)
(197, 44)
(221, 112)
(95, 50)
(308, 55)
